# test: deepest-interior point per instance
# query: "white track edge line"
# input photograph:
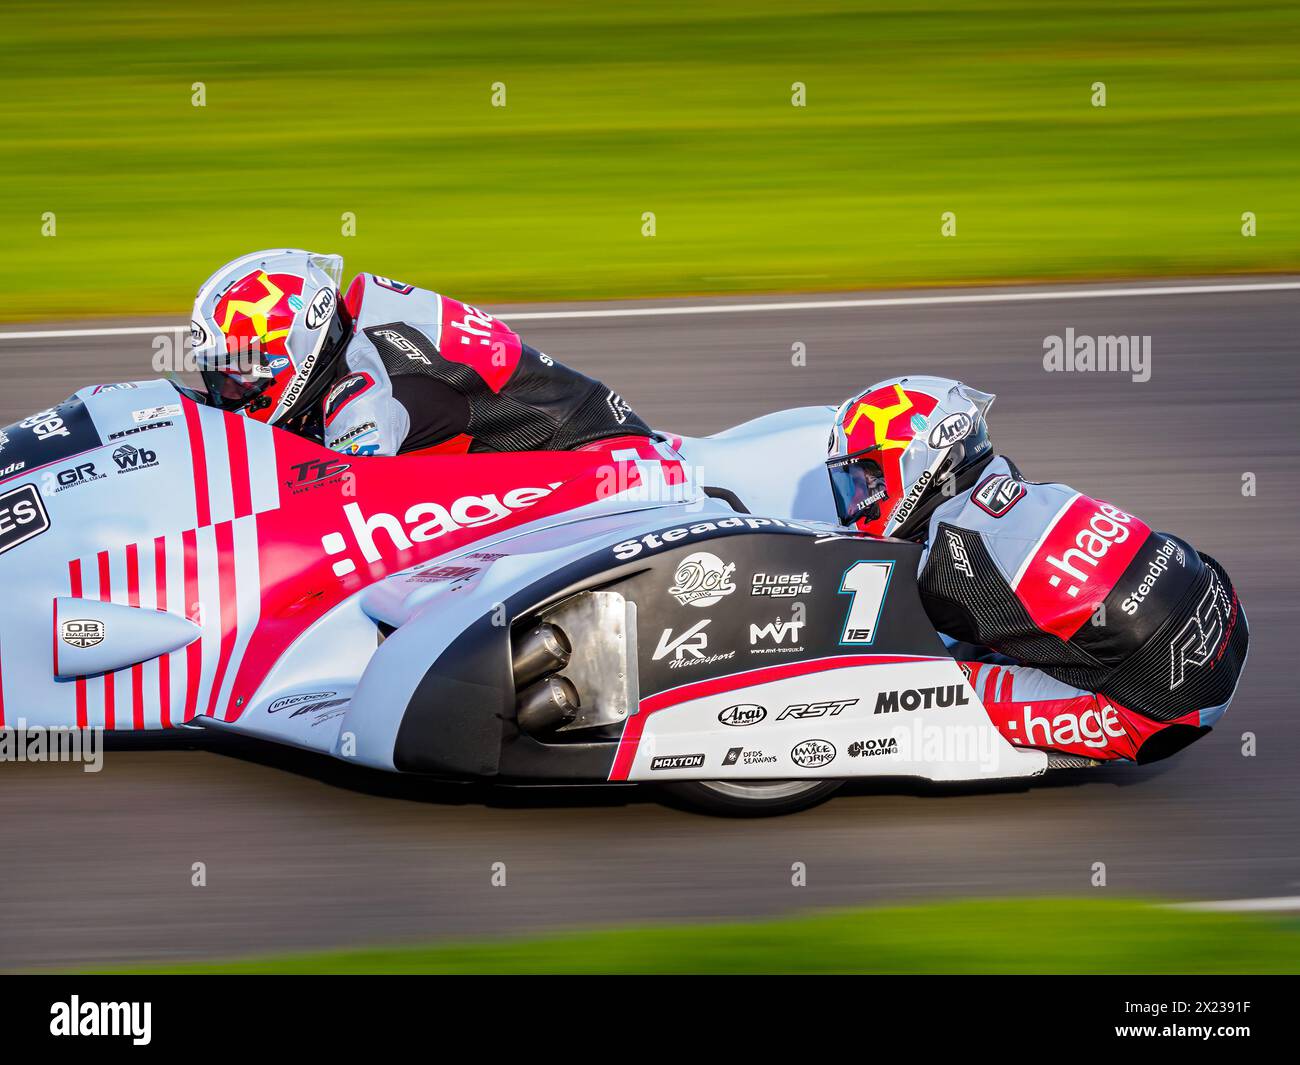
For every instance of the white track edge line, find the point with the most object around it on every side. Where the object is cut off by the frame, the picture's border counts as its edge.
(758, 308)
(1280, 904)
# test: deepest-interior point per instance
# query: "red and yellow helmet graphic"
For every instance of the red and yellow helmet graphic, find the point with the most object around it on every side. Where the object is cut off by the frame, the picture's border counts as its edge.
(267, 332)
(893, 448)
(255, 316)
(887, 418)
(881, 423)
(260, 307)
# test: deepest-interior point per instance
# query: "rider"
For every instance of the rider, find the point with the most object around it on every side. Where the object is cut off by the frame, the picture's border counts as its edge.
(389, 368)
(1104, 637)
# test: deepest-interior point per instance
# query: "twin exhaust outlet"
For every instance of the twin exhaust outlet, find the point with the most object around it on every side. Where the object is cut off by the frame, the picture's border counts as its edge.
(547, 701)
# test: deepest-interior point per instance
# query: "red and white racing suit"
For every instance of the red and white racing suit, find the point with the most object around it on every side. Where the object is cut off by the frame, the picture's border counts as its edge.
(1109, 639)
(425, 373)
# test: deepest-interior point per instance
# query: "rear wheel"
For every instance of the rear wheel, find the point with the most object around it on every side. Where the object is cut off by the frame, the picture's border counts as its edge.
(759, 798)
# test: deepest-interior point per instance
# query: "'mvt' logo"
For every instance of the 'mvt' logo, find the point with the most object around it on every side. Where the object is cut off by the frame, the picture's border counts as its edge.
(776, 631)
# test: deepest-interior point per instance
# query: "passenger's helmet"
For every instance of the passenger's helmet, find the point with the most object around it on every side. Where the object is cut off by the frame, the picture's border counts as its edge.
(902, 447)
(268, 330)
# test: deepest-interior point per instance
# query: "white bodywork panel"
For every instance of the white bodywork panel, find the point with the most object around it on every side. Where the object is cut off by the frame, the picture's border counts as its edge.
(836, 708)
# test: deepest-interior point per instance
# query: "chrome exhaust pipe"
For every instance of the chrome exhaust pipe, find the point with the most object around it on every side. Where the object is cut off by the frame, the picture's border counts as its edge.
(543, 649)
(547, 705)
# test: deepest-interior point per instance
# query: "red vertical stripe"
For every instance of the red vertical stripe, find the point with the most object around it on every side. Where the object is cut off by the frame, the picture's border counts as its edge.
(194, 426)
(192, 610)
(132, 575)
(991, 684)
(74, 589)
(1004, 696)
(165, 662)
(241, 483)
(137, 670)
(106, 596)
(229, 606)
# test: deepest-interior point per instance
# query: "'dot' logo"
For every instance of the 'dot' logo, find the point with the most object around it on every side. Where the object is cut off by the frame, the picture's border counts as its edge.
(702, 579)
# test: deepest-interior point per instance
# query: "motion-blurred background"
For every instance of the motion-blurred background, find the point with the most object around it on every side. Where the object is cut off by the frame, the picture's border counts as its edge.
(387, 112)
(512, 152)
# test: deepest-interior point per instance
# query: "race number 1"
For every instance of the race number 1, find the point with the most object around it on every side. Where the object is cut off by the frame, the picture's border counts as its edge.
(866, 582)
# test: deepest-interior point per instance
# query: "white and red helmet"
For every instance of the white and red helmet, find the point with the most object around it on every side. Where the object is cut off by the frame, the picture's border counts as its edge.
(268, 330)
(895, 447)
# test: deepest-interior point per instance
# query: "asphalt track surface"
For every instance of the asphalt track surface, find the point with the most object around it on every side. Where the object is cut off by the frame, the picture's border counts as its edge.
(304, 853)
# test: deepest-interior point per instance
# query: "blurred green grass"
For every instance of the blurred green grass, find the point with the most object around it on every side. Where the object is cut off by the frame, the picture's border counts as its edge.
(1002, 936)
(683, 109)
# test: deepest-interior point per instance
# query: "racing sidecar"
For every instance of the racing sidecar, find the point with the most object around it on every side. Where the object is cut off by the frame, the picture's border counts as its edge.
(550, 617)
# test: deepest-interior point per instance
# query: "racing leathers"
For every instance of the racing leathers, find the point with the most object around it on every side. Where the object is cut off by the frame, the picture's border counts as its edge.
(1108, 639)
(427, 374)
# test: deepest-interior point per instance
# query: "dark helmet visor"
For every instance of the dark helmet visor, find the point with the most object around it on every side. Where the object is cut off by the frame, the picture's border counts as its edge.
(231, 390)
(241, 376)
(858, 486)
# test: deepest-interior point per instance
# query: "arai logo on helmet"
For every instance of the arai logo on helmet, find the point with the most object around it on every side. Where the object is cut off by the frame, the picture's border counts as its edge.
(953, 428)
(320, 309)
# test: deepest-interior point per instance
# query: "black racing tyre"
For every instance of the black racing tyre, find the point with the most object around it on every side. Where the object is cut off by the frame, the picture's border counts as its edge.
(757, 798)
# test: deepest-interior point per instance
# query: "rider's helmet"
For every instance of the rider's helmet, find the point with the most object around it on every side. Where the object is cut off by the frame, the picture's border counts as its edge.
(903, 446)
(268, 330)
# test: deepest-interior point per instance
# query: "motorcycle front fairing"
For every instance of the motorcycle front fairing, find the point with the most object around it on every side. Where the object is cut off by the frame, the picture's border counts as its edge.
(136, 495)
(211, 571)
